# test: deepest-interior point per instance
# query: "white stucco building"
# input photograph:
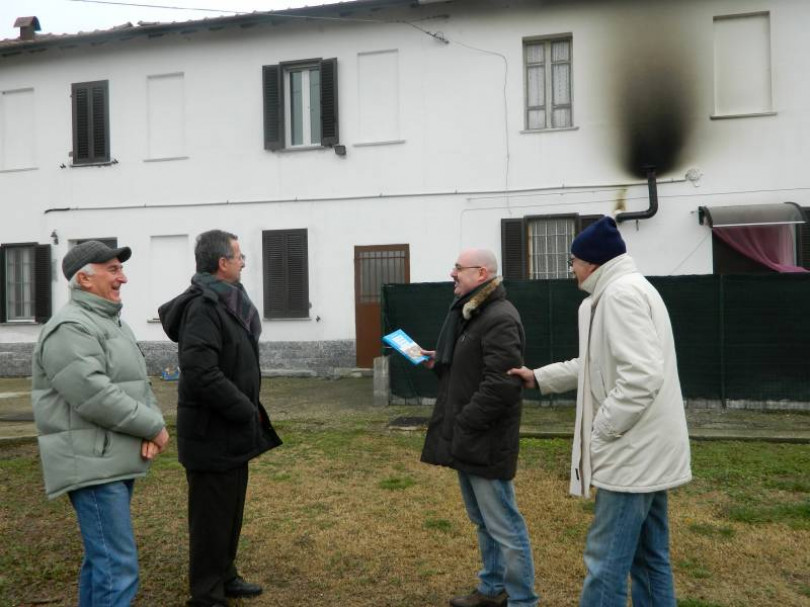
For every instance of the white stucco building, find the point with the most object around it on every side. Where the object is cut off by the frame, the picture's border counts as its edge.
(369, 141)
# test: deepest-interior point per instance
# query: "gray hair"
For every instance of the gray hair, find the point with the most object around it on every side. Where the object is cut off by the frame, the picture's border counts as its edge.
(211, 247)
(88, 269)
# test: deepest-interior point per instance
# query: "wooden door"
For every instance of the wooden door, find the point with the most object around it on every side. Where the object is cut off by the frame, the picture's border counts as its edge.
(375, 266)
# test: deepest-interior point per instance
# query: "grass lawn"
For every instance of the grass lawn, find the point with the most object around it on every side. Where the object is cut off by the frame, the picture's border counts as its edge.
(344, 514)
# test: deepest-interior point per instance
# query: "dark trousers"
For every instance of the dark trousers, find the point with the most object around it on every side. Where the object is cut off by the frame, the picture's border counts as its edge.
(216, 503)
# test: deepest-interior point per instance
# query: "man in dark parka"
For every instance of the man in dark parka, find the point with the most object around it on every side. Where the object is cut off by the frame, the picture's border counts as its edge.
(221, 424)
(475, 426)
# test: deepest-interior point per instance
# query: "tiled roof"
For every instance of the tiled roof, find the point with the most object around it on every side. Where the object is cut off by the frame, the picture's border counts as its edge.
(14, 46)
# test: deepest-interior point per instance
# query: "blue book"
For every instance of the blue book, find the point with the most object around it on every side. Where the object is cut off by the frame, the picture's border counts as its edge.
(402, 343)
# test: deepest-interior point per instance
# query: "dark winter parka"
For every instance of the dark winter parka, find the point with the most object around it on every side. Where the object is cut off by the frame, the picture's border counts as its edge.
(220, 422)
(476, 420)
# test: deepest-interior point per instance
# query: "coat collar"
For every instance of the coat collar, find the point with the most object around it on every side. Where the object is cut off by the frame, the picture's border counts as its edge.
(607, 273)
(94, 303)
(477, 300)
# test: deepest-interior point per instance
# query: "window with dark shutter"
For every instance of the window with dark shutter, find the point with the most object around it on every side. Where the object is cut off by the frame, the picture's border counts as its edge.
(513, 249)
(25, 282)
(300, 104)
(538, 247)
(286, 273)
(91, 127)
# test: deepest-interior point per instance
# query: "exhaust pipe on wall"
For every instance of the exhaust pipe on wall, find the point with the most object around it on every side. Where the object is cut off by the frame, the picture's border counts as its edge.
(652, 186)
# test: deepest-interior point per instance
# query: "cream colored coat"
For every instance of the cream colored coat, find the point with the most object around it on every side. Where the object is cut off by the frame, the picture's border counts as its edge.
(631, 433)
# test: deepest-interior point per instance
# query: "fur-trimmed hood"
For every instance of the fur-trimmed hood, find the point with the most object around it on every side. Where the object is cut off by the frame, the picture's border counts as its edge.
(479, 298)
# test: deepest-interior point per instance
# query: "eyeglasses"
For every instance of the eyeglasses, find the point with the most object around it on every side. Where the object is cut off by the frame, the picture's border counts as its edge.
(459, 268)
(240, 257)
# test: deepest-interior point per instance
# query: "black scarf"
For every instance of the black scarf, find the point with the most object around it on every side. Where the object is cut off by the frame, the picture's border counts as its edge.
(452, 327)
(235, 298)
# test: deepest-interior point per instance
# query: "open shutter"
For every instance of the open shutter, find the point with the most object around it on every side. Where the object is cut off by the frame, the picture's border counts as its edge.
(81, 123)
(42, 283)
(3, 283)
(329, 103)
(513, 249)
(272, 88)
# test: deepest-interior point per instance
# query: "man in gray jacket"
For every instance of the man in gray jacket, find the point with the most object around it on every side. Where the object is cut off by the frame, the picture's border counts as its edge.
(97, 418)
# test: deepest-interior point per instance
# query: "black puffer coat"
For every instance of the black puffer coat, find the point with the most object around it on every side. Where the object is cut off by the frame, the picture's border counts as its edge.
(220, 422)
(476, 420)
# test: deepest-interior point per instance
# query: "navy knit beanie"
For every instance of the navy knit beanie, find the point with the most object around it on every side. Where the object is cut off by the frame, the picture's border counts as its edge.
(599, 242)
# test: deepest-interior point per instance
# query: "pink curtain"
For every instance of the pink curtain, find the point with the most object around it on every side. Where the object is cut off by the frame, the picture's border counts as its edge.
(772, 246)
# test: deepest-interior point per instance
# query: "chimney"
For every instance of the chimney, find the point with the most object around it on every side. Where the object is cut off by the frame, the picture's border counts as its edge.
(27, 25)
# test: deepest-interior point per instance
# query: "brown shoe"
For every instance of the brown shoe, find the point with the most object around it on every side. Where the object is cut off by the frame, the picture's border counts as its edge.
(476, 599)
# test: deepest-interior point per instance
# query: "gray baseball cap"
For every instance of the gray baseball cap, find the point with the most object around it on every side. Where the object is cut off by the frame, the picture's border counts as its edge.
(91, 251)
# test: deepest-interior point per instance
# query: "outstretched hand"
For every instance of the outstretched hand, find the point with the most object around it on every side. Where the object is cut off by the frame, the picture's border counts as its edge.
(526, 375)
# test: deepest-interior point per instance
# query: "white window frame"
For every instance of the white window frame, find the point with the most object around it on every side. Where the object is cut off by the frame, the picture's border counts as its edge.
(549, 245)
(14, 283)
(310, 111)
(549, 106)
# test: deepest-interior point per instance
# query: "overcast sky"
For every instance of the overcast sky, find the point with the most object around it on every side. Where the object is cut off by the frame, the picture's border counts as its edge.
(71, 16)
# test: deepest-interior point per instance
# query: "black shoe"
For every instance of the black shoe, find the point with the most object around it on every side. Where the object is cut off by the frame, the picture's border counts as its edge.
(476, 599)
(238, 588)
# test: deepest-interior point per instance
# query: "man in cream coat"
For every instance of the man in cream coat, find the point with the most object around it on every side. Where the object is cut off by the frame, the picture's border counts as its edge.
(631, 440)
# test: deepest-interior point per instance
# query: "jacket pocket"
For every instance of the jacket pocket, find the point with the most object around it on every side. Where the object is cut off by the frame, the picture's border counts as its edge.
(470, 447)
(101, 442)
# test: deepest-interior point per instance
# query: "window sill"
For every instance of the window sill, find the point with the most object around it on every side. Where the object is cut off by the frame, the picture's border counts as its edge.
(368, 144)
(19, 170)
(167, 159)
(106, 163)
(539, 131)
(286, 319)
(302, 148)
(732, 116)
(17, 323)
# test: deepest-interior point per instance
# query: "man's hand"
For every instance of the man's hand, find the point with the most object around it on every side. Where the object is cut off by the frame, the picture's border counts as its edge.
(431, 358)
(161, 440)
(152, 448)
(526, 375)
(149, 450)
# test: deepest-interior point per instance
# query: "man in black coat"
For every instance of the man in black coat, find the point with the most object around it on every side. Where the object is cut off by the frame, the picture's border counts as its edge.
(221, 424)
(475, 426)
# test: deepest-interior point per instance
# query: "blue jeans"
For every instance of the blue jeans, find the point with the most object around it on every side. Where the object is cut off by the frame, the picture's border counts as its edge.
(502, 539)
(629, 535)
(109, 573)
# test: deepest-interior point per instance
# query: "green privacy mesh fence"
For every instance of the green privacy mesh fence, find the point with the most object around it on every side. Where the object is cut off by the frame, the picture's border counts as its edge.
(743, 337)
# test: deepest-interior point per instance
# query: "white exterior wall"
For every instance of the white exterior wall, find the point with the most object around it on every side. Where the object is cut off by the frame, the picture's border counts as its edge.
(457, 164)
